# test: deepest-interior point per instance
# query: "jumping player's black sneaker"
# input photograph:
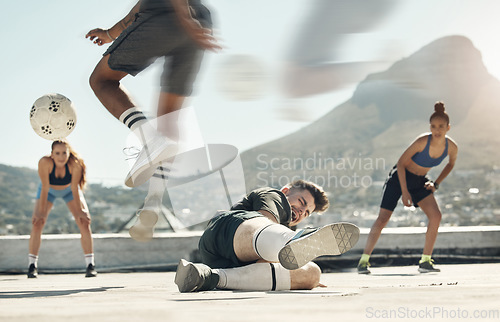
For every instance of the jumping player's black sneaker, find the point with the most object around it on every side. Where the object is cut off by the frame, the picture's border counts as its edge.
(428, 267)
(307, 244)
(32, 271)
(192, 277)
(90, 271)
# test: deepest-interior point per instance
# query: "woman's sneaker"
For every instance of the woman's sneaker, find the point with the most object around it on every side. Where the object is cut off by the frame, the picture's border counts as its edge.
(32, 271)
(363, 268)
(90, 271)
(307, 244)
(427, 267)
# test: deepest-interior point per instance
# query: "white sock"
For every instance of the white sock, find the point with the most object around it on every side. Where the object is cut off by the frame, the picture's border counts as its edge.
(135, 120)
(157, 183)
(33, 259)
(255, 277)
(157, 186)
(89, 259)
(268, 241)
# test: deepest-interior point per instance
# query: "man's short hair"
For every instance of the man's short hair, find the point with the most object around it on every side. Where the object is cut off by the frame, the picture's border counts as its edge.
(320, 198)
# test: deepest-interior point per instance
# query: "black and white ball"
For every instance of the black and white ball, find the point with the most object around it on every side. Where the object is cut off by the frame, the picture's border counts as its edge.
(53, 116)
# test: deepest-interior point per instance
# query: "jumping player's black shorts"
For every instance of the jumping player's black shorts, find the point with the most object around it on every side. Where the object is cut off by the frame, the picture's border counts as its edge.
(216, 244)
(392, 191)
(154, 35)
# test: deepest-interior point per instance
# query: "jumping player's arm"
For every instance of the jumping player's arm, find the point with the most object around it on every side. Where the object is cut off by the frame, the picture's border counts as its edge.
(43, 172)
(452, 158)
(417, 146)
(76, 175)
(201, 36)
(101, 36)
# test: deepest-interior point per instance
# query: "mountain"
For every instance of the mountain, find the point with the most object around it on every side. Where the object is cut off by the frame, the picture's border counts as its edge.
(363, 138)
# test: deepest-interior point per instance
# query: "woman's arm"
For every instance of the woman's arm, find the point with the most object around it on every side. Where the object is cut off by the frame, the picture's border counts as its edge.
(417, 146)
(76, 175)
(43, 172)
(452, 158)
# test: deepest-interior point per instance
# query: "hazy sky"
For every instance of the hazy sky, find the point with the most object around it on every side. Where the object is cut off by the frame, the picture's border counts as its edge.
(44, 51)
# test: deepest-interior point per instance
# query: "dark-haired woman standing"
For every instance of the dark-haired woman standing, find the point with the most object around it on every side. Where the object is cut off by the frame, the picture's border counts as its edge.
(408, 180)
(62, 174)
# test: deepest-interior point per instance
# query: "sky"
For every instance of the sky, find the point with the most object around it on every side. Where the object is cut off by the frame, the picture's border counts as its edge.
(44, 50)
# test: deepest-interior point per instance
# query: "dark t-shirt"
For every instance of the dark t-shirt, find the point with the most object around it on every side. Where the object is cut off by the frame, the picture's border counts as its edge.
(163, 5)
(268, 199)
(199, 11)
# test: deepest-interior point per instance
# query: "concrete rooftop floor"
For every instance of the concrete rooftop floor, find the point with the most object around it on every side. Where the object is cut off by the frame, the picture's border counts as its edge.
(460, 292)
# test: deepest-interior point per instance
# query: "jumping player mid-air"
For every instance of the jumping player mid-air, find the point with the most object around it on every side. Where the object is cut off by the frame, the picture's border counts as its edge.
(179, 31)
(252, 246)
(62, 174)
(408, 181)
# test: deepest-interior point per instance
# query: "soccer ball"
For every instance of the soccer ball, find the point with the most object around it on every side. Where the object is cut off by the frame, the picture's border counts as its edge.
(53, 116)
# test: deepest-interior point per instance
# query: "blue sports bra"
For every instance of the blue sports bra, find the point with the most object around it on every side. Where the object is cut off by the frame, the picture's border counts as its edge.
(53, 180)
(423, 158)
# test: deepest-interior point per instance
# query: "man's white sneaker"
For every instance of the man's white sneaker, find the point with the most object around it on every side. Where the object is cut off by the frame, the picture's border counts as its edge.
(307, 244)
(156, 150)
(143, 229)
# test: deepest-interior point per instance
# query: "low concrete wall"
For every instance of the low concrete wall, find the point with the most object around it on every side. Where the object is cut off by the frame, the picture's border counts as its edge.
(478, 240)
(62, 253)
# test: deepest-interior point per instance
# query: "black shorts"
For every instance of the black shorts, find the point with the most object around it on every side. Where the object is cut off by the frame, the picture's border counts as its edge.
(216, 244)
(154, 35)
(392, 191)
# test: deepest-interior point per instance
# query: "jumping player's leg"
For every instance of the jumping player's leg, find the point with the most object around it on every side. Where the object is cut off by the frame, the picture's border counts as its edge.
(168, 103)
(147, 216)
(105, 82)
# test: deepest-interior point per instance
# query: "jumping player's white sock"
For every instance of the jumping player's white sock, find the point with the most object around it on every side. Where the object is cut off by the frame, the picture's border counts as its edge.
(89, 259)
(137, 122)
(158, 180)
(268, 241)
(255, 277)
(33, 259)
(157, 185)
